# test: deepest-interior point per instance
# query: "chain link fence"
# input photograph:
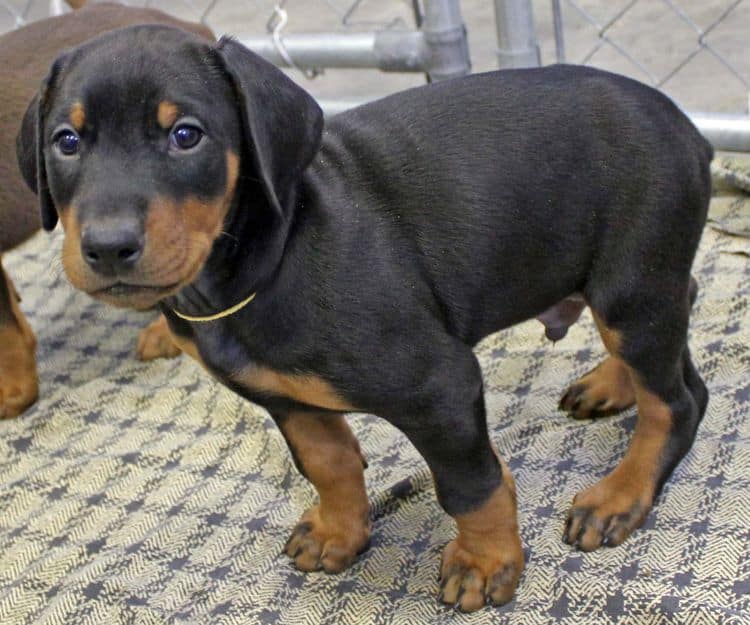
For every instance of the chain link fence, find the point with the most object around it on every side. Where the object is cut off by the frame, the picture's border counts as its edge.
(694, 49)
(697, 51)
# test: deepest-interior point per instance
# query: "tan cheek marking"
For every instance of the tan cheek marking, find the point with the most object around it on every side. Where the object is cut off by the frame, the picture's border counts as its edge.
(186, 231)
(198, 216)
(166, 114)
(233, 172)
(77, 116)
(71, 250)
(307, 389)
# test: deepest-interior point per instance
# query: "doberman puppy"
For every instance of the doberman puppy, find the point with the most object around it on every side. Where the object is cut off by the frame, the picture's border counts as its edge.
(319, 271)
(25, 57)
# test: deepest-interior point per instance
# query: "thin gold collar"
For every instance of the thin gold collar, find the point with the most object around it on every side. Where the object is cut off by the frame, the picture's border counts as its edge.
(218, 315)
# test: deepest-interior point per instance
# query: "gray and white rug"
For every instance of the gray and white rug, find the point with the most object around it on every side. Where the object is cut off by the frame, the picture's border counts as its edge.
(148, 494)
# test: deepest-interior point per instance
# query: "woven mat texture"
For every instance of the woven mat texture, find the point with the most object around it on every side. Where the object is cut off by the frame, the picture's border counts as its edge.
(149, 494)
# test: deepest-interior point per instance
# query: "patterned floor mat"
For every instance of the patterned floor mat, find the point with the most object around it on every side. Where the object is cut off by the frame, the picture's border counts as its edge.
(148, 494)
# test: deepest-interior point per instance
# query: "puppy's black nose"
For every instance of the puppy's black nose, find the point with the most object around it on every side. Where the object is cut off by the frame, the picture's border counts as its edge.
(112, 248)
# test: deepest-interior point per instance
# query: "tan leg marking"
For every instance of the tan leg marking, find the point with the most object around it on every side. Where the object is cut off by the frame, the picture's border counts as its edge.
(483, 563)
(305, 388)
(155, 341)
(605, 390)
(331, 534)
(19, 387)
(609, 511)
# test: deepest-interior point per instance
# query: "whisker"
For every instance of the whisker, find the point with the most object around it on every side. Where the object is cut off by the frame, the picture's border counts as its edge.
(227, 234)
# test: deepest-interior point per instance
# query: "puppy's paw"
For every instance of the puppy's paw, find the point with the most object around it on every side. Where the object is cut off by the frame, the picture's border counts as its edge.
(469, 581)
(606, 514)
(604, 391)
(332, 547)
(155, 341)
(19, 387)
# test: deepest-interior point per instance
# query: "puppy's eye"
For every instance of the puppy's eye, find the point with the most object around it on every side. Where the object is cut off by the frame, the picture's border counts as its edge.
(185, 136)
(68, 142)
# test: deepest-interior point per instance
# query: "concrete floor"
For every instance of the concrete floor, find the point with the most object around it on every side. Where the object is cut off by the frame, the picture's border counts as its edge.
(650, 31)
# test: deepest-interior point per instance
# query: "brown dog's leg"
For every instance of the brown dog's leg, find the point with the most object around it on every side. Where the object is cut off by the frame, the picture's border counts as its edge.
(331, 534)
(155, 341)
(75, 4)
(605, 390)
(19, 387)
(671, 399)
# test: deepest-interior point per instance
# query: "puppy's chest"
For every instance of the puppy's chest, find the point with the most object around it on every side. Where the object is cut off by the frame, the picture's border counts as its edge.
(233, 364)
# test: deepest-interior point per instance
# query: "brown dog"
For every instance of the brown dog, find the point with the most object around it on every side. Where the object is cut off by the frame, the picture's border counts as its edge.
(25, 57)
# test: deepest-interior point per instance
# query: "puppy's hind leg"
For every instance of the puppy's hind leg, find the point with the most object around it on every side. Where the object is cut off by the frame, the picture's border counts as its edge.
(648, 335)
(606, 389)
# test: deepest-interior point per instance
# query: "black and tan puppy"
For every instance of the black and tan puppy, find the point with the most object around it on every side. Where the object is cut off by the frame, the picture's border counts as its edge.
(25, 57)
(321, 271)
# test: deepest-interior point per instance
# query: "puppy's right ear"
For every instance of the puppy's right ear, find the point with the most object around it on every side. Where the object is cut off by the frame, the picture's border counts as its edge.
(30, 148)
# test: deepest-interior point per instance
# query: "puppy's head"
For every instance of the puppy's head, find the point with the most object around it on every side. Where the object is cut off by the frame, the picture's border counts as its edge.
(144, 140)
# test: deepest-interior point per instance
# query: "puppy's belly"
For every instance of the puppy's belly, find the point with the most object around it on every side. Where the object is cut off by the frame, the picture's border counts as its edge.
(558, 318)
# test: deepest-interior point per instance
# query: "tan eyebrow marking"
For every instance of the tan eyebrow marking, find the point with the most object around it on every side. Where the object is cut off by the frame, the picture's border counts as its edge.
(167, 114)
(77, 116)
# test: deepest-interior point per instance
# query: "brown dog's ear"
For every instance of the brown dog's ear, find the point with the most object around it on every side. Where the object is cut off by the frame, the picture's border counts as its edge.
(283, 124)
(30, 149)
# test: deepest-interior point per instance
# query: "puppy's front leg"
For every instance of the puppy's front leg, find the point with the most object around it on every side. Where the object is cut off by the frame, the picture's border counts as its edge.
(483, 563)
(155, 341)
(331, 534)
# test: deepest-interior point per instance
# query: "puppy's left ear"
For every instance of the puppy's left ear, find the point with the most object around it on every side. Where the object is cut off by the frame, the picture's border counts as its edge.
(283, 124)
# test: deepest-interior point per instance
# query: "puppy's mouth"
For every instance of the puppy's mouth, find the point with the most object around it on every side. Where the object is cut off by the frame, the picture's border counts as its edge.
(125, 290)
(137, 296)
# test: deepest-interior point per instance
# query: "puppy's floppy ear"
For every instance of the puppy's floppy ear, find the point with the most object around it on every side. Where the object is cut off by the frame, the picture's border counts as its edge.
(30, 149)
(283, 124)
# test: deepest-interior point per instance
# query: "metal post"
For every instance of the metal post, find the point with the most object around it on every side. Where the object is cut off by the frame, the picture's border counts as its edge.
(390, 51)
(56, 7)
(445, 36)
(559, 33)
(516, 37)
(725, 132)
(439, 48)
